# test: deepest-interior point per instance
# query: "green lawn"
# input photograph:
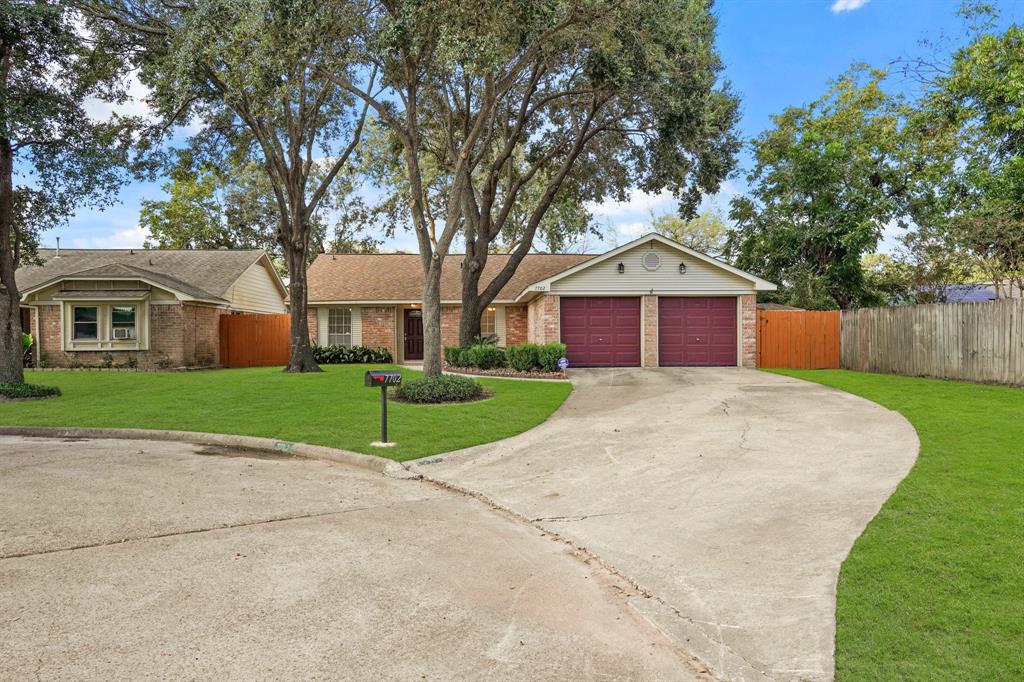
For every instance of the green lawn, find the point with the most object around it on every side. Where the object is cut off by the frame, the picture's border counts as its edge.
(331, 408)
(934, 588)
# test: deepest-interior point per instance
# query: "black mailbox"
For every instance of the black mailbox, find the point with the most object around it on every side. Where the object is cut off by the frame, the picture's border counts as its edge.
(381, 377)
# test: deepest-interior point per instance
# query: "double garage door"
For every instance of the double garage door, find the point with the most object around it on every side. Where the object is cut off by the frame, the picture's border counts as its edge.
(692, 332)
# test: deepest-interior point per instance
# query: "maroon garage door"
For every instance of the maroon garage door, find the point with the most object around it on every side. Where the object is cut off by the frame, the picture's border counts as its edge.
(696, 332)
(601, 332)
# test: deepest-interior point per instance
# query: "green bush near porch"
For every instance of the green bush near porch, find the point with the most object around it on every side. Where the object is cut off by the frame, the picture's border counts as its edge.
(330, 408)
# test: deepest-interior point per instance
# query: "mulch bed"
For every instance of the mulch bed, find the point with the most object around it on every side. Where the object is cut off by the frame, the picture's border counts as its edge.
(505, 372)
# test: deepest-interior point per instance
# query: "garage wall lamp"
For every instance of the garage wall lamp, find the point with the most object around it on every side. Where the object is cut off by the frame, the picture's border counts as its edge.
(682, 268)
(622, 268)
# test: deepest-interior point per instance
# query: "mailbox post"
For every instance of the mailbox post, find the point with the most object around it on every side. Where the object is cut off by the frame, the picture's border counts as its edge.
(382, 378)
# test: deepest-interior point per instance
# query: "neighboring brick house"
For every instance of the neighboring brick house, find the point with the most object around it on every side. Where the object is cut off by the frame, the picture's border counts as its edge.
(652, 302)
(152, 309)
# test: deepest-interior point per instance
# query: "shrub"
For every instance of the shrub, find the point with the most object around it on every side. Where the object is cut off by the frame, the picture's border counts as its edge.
(443, 388)
(484, 356)
(346, 355)
(454, 356)
(523, 358)
(548, 356)
(27, 391)
(486, 340)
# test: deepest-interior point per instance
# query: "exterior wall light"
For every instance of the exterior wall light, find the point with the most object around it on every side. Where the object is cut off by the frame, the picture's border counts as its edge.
(622, 268)
(682, 268)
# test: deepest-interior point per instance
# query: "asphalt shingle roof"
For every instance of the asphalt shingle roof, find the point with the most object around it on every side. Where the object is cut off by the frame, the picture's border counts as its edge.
(399, 276)
(199, 274)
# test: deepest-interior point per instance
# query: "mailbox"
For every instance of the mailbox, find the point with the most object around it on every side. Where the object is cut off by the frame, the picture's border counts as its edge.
(382, 378)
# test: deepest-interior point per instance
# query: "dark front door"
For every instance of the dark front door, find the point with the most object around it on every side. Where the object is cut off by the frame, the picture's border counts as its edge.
(413, 334)
(601, 332)
(696, 332)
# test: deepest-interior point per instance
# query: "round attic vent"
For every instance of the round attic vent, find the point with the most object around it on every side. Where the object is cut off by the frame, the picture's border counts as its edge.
(651, 261)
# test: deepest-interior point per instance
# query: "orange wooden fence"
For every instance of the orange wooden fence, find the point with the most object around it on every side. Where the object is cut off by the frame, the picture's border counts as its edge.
(254, 340)
(798, 339)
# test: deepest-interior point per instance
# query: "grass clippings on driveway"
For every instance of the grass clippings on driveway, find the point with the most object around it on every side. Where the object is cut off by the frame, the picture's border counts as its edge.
(934, 588)
(331, 408)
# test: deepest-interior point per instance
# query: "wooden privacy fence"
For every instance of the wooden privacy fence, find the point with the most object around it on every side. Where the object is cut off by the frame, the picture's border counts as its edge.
(981, 342)
(254, 340)
(798, 339)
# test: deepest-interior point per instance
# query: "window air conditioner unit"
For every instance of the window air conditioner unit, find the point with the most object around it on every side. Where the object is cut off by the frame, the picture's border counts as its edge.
(124, 333)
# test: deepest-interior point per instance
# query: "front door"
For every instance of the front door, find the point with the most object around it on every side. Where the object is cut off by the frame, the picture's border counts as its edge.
(413, 334)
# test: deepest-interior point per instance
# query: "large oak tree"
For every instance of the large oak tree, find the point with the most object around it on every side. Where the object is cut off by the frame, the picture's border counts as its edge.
(54, 158)
(252, 73)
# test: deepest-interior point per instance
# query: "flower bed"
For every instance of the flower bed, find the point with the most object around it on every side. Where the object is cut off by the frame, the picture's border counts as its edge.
(507, 372)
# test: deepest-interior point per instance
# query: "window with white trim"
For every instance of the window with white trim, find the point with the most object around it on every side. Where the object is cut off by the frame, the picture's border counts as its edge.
(122, 323)
(339, 327)
(487, 322)
(85, 323)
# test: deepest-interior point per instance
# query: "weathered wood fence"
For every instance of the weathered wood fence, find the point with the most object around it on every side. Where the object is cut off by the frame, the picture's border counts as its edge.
(802, 339)
(254, 340)
(981, 342)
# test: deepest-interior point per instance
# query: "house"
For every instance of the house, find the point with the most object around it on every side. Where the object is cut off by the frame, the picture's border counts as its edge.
(138, 307)
(651, 302)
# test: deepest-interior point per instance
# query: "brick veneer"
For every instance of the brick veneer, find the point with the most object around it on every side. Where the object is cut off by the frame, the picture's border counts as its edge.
(544, 319)
(748, 322)
(179, 336)
(515, 325)
(311, 321)
(379, 328)
(650, 331)
(451, 315)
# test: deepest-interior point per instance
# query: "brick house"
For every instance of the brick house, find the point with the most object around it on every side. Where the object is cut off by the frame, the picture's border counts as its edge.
(649, 303)
(153, 309)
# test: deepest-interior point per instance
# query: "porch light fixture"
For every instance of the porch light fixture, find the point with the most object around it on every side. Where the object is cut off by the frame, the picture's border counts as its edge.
(622, 268)
(682, 268)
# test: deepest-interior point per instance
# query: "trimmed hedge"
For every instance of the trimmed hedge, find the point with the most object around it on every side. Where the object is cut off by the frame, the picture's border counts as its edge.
(348, 355)
(442, 388)
(18, 391)
(484, 356)
(526, 357)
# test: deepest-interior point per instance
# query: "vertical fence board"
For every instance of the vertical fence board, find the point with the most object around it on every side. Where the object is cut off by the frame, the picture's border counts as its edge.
(254, 340)
(798, 339)
(981, 342)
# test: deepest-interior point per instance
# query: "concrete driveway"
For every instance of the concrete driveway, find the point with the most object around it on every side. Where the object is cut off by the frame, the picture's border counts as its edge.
(131, 559)
(731, 496)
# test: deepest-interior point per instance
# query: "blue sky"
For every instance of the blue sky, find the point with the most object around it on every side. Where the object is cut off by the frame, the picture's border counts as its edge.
(777, 53)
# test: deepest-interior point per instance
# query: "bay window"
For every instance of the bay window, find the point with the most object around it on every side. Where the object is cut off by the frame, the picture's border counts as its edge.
(86, 323)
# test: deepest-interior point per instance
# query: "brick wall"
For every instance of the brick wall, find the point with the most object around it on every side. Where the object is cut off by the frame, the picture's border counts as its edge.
(516, 325)
(451, 315)
(312, 320)
(179, 336)
(748, 327)
(379, 328)
(650, 331)
(543, 319)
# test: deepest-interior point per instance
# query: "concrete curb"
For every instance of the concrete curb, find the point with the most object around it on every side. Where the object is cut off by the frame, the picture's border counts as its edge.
(379, 465)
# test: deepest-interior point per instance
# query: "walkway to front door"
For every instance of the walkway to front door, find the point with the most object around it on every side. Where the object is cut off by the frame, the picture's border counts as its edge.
(413, 334)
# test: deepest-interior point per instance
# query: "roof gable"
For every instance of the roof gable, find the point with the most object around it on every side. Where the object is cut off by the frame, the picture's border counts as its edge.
(547, 283)
(195, 274)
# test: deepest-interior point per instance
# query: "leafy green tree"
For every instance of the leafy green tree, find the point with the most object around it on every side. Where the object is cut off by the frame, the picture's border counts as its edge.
(252, 73)
(53, 156)
(501, 111)
(827, 179)
(707, 232)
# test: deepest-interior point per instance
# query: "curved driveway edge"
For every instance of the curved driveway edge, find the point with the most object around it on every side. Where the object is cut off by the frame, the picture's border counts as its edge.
(730, 496)
(281, 447)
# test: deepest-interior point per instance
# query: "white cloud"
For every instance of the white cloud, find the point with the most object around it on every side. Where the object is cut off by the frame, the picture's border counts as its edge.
(847, 5)
(131, 238)
(99, 110)
(636, 203)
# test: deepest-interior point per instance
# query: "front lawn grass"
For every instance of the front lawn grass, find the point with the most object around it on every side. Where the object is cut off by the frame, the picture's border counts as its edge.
(934, 588)
(331, 408)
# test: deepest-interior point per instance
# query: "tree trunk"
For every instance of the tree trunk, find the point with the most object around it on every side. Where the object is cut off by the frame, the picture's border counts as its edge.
(469, 322)
(301, 356)
(11, 352)
(432, 318)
